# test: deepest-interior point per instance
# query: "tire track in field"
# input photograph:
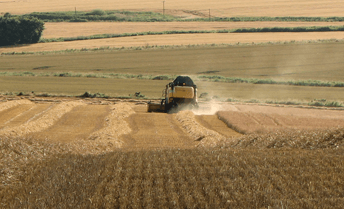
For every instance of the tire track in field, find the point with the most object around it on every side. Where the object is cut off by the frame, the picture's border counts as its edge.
(11, 113)
(28, 115)
(212, 122)
(155, 130)
(76, 124)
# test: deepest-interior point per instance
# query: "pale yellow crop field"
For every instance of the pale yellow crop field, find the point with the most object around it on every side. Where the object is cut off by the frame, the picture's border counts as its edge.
(186, 7)
(68, 29)
(175, 39)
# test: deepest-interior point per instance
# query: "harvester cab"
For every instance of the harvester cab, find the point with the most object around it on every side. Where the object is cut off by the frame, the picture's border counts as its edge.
(181, 93)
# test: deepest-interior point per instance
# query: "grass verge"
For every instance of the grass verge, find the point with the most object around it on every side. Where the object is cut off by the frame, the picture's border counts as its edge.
(210, 78)
(130, 16)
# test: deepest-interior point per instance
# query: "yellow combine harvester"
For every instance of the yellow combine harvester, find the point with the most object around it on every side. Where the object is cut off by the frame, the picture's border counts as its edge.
(180, 93)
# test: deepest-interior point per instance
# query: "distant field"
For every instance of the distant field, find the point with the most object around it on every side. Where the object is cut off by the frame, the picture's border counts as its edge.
(176, 39)
(187, 7)
(321, 61)
(66, 29)
(153, 89)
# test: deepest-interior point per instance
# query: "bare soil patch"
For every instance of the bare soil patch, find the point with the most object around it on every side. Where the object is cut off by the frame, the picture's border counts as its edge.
(176, 39)
(66, 29)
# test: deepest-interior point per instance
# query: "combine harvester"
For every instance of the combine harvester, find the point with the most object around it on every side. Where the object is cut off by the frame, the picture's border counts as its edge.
(179, 94)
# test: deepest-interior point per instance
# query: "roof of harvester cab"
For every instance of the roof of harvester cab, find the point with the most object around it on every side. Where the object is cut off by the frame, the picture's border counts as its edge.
(183, 79)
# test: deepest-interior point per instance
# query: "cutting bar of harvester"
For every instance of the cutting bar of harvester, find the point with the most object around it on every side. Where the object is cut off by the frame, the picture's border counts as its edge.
(156, 107)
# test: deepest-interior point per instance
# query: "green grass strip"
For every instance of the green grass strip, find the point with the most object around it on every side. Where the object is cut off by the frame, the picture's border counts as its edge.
(128, 16)
(215, 78)
(209, 78)
(241, 30)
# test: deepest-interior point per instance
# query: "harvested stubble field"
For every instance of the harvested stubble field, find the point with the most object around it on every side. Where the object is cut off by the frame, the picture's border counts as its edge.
(66, 29)
(315, 61)
(254, 119)
(158, 164)
(187, 8)
(176, 39)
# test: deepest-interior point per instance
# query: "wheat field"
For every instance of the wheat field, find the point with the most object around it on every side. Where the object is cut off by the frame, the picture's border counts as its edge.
(65, 29)
(178, 39)
(79, 152)
(322, 8)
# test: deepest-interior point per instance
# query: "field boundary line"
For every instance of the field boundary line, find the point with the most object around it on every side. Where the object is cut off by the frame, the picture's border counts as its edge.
(198, 15)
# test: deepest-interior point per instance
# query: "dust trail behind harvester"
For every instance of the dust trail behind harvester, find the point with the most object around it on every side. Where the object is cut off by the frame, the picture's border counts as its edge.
(209, 108)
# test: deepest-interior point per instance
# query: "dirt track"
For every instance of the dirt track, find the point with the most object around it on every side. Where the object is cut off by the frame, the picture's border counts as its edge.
(128, 125)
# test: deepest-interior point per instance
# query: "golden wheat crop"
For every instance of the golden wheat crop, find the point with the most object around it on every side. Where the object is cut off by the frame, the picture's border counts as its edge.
(176, 39)
(187, 8)
(203, 178)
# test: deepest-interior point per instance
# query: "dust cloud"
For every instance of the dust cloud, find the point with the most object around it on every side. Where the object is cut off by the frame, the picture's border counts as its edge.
(209, 108)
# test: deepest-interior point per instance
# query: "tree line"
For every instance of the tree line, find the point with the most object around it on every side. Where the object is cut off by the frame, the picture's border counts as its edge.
(20, 30)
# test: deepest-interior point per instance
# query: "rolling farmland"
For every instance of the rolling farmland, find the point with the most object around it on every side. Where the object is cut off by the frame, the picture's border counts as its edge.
(72, 135)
